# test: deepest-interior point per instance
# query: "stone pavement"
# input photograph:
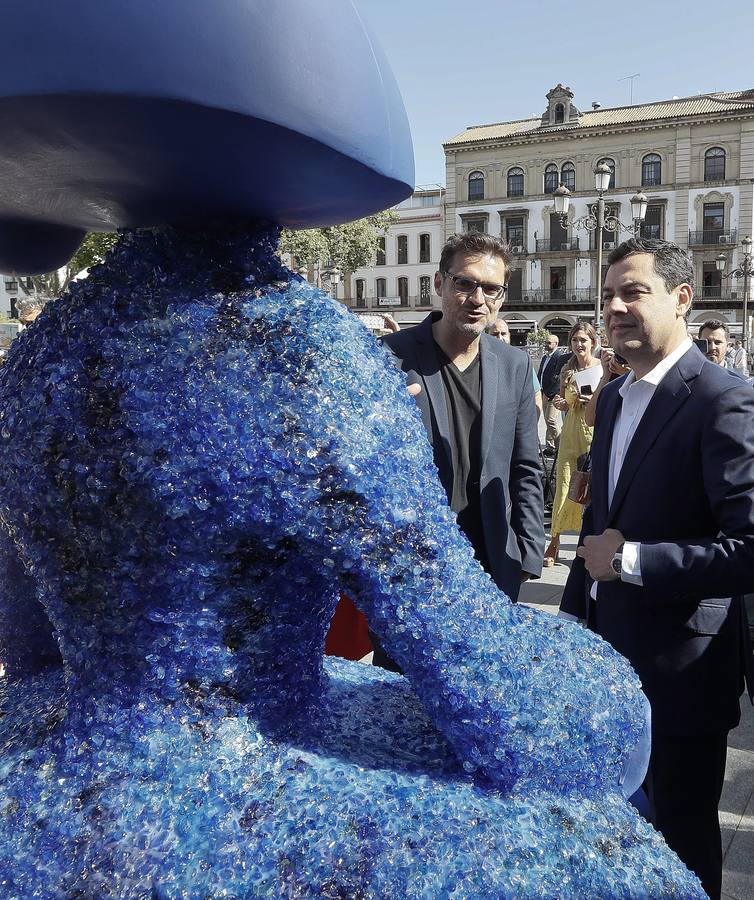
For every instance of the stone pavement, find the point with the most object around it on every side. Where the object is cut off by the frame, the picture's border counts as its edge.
(737, 802)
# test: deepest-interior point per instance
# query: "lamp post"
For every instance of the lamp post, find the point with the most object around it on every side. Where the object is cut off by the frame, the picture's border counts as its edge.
(745, 271)
(596, 221)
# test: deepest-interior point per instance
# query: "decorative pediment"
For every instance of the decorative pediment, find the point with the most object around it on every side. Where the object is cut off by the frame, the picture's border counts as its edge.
(561, 110)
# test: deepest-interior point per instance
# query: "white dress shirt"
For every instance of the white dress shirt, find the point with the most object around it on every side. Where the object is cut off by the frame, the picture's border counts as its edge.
(636, 395)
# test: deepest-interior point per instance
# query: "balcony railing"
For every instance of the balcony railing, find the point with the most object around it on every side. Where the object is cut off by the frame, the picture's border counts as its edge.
(387, 303)
(718, 295)
(554, 245)
(713, 237)
(609, 241)
(553, 297)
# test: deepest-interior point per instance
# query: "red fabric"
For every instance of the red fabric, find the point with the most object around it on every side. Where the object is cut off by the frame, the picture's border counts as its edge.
(349, 634)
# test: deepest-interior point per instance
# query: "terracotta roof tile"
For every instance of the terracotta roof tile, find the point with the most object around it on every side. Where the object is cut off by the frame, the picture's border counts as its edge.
(707, 104)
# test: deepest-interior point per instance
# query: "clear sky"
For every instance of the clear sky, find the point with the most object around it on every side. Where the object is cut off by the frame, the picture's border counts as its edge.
(472, 63)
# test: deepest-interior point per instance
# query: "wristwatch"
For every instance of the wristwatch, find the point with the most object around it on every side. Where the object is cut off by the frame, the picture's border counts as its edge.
(617, 561)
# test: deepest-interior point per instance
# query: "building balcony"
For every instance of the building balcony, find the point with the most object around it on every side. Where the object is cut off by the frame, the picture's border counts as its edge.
(609, 241)
(716, 296)
(713, 237)
(557, 245)
(386, 304)
(575, 298)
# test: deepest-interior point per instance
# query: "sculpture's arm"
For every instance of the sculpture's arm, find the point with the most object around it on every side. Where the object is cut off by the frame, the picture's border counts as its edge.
(522, 696)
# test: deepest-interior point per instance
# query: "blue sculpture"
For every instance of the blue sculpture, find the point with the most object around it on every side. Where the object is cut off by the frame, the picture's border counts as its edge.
(200, 450)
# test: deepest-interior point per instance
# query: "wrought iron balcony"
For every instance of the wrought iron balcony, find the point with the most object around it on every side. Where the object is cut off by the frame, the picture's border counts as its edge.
(552, 297)
(385, 304)
(610, 241)
(718, 296)
(555, 245)
(713, 237)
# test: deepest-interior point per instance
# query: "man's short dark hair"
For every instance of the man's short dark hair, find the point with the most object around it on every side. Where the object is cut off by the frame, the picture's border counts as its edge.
(713, 325)
(475, 242)
(671, 262)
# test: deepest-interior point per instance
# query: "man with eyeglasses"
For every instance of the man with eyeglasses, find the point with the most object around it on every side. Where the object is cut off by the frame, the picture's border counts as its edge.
(476, 399)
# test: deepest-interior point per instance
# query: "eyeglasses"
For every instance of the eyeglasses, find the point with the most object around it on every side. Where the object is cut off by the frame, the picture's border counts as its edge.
(467, 287)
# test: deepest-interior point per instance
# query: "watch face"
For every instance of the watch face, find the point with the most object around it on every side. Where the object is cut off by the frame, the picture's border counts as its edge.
(617, 564)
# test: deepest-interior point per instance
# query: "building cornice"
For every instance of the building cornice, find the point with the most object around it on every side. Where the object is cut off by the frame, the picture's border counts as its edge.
(581, 133)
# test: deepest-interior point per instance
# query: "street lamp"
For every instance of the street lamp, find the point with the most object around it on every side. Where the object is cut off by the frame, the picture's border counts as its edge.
(596, 220)
(745, 271)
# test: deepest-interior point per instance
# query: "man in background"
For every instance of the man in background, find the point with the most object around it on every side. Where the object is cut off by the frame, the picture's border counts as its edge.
(739, 360)
(715, 332)
(549, 377)
(500, 330)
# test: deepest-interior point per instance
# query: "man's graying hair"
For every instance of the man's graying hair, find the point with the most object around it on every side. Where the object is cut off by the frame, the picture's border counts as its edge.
(26, 306)
(671, 262)
(474, 242)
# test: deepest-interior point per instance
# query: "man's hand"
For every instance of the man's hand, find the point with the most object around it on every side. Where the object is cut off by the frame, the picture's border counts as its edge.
(598, 552)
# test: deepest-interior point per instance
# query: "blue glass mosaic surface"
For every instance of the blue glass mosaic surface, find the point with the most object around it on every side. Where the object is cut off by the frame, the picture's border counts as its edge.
(200, 451)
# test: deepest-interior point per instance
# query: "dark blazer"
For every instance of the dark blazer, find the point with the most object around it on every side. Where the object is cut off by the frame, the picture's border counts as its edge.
(511, 479)
(549, 372)
(686, 493)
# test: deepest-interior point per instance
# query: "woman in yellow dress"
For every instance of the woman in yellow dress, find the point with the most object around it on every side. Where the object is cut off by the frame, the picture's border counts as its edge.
(575, 438)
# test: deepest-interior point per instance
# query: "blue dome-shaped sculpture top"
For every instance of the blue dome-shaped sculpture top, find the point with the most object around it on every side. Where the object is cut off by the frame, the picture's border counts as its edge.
(137, 114)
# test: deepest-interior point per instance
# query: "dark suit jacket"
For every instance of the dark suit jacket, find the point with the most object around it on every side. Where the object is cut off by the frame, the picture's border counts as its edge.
(686, 493)
(549, 372)
(511, 482)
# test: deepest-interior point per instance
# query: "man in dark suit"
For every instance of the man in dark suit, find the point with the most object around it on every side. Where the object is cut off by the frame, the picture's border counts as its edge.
(477, 405)
(667, 545)
(550, 367)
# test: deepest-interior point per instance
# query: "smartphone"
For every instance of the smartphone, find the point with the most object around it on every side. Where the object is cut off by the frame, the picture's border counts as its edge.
(586, 390)
(702, 344)
(619, 359)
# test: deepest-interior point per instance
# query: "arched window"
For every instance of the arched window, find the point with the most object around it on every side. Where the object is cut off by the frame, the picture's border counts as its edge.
(476, 186)
(714, 164)
(610, 163)
(568, 176)
(551, 178)
(403, 291)
(380, 251)
(651, 170)
(402, 249)
(425, 290)
(381, 285)
(361, 292)
(516, 182)
(559, 114)
(425, 248)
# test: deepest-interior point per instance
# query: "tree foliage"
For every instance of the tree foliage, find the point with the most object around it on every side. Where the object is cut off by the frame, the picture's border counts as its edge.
(92, 250)
(347, 247)
(537, 339)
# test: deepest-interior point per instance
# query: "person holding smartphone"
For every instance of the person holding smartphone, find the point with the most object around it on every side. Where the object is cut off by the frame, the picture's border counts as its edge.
(576, 436)
(613, 366)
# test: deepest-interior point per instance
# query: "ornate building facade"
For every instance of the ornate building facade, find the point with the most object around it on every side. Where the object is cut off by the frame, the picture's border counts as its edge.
(400, 282)
(693, 157)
